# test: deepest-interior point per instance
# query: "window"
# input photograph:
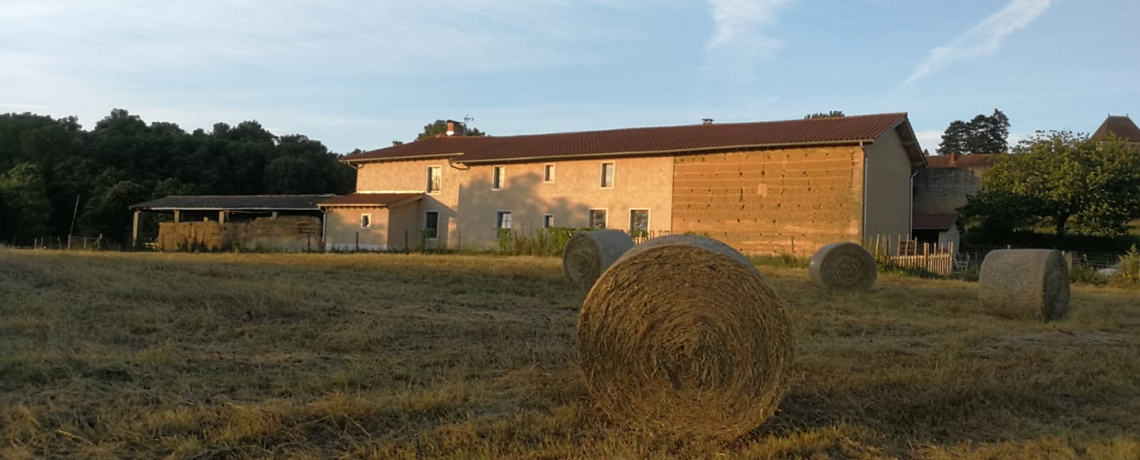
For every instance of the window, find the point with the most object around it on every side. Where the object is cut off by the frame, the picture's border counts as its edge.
(597, 218)
(548, 173)
(499, 178)
(365, 220)
(639, 222)
(502, 222)
(547, 220)
(431, 225)
(608, 174)
(434, 179)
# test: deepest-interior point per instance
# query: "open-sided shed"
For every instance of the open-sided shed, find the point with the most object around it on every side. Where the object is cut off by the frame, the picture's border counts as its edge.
(226, 208)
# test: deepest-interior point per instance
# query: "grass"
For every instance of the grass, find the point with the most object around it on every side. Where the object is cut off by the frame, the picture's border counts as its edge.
(234, 356)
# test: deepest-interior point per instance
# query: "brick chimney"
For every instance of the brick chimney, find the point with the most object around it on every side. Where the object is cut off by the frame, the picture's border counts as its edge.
(953, 159)
(451, 128)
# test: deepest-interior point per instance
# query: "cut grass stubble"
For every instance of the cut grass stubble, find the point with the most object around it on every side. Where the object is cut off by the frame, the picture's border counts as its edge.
(405, 356)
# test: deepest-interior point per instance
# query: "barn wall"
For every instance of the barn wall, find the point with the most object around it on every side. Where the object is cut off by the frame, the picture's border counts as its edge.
(888, 188)
(785, 201)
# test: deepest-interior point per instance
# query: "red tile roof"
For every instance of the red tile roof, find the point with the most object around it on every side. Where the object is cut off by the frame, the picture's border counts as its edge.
(977, 160)
(934, 221)
(1122, 127)
(660, 140)
(234, 203)
(376, 200)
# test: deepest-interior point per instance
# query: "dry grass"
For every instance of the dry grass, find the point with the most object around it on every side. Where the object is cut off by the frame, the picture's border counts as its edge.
(394, 356)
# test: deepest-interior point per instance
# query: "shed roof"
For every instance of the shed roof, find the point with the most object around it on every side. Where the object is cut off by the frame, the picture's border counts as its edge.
(375, 200)
(656, 140)
(234, 203)
(934, 221)
(1122, 127)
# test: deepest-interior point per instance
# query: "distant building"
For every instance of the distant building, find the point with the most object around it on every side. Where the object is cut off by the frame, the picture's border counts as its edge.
(937, 229)
(1122, 127)
(942, 187)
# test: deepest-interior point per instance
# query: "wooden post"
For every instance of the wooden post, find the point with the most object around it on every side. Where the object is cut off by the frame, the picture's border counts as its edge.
(274, 214)
(135, 229)
(221, 218)
(177, 216)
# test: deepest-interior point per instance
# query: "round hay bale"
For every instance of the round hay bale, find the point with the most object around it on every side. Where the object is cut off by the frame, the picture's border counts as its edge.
(683, 334)
(843, 267)
(1025, 284)
(588, 254)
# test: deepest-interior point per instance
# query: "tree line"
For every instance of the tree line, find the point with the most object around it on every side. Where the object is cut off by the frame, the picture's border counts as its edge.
(58, 179)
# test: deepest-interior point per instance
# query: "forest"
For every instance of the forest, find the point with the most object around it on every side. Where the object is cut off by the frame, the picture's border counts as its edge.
(58, 179)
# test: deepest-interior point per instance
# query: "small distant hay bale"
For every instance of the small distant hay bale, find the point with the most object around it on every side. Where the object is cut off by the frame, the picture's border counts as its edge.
(1025, 284)
(684, 335)
(588, 254)
(843, 267)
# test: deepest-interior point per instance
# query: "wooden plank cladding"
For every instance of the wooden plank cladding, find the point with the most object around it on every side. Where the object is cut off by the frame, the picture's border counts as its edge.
(771, 202)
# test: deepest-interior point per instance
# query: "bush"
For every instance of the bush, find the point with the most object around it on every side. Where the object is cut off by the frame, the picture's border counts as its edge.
(543, 242)
(1086, 275)
(1129, 271)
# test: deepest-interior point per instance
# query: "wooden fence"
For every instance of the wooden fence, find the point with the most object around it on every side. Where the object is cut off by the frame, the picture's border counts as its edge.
(904, 252)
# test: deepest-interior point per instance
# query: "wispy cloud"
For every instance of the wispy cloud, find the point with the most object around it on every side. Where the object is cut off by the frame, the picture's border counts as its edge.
(984, 38)
(739, 28)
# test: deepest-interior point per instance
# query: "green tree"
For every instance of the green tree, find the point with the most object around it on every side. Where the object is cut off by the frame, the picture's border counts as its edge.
(107, 214)
(439, 128)
(25, 208)
(982, 134)
(831, 114)
(1060, 179)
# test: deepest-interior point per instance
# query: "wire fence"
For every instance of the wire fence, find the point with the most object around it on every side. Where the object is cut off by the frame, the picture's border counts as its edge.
(72, 243)
(1091, 260)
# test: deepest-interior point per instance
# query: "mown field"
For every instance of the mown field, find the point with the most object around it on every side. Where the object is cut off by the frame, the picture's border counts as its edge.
(233, 356)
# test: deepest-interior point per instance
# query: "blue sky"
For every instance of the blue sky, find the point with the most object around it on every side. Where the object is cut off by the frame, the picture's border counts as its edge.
(357, 74)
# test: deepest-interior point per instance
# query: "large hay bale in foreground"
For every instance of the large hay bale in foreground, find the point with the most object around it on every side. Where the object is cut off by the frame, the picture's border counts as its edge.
(588, 254)
(683, 334)
(1025, 284)
(844, 267)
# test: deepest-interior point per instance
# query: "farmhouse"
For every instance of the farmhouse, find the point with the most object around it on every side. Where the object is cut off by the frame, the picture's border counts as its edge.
(763, 188)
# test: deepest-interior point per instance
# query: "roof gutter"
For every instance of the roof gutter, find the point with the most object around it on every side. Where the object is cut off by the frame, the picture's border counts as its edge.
(859, 142)
(394, 204)
(413, 157)
(179, 208)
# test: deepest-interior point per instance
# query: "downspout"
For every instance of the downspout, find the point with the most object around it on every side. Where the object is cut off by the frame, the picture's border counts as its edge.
(910, 219)
(863, 231)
